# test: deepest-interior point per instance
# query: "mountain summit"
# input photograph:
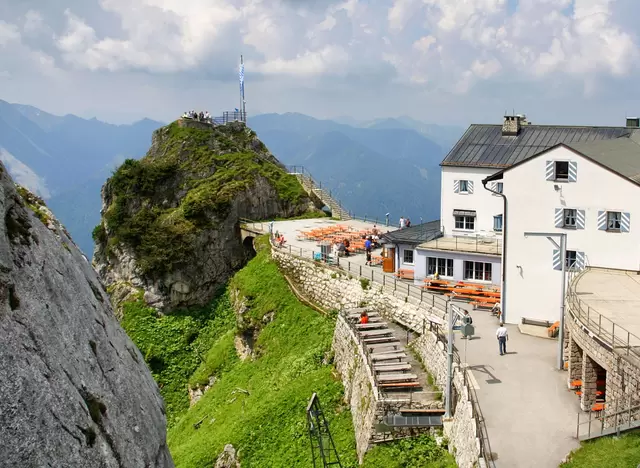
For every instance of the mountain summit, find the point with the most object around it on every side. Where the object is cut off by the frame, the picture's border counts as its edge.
(170, 221)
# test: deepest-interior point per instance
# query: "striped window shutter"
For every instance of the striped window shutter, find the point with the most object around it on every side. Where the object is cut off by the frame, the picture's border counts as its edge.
(625, 222)
(557, 263)
(550, 170)
(581, 219)
(470, 186)
(580, 260)
(456, 186)
(602, 220)
(493, 186)
(573, 171)
(558, 220)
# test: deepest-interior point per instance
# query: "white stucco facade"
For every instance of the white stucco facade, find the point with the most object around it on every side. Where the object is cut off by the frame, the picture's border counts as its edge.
(474, 198)
(537, 203)
(455, 261)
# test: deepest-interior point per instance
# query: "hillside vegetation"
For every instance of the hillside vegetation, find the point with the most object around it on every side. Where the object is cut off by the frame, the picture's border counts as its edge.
(607, 452)
(157, 206)
(257, 405)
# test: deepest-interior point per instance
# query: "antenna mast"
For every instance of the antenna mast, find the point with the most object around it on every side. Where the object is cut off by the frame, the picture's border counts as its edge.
(243, 109)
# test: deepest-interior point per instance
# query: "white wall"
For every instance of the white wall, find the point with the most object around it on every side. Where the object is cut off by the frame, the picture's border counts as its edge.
(459, 258)
(534, 290)
(486, 204)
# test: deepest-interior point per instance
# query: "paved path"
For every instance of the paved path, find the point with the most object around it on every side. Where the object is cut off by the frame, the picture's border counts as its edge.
(530, 414)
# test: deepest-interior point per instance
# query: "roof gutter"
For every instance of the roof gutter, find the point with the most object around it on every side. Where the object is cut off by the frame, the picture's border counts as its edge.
(503, 295)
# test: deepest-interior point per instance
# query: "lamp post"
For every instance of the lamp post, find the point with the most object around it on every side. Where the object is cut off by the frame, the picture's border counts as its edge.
(563, 261)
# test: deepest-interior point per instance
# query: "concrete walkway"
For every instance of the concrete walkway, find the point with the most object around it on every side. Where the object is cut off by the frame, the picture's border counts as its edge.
(529, 412)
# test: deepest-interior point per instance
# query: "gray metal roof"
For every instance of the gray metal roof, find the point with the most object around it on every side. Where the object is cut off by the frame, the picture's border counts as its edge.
(485, 146)
(621, 155)
(414, 235)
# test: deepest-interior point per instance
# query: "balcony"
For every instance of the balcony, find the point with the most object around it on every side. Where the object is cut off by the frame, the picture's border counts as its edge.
(480, 244)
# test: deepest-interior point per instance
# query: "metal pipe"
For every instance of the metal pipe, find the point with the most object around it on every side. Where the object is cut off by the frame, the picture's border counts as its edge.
(447, 413)
(503, 294)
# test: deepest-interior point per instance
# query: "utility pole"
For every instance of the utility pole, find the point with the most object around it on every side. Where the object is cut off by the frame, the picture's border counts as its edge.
(563, 262)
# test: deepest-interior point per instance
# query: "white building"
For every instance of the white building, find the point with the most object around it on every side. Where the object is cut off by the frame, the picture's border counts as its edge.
(468, 245)
(591, 192)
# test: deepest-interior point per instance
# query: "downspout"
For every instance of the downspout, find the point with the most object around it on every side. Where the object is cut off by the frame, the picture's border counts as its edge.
(503, 295)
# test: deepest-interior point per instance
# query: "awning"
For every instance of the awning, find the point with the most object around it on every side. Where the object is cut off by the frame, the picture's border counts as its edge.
(471, 213)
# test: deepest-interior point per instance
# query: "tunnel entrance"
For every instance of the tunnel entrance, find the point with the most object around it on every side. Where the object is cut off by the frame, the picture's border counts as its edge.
(249, 250)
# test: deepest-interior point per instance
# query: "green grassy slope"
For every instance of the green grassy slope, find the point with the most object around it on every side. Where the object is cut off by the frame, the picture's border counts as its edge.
(607, 452)
(258, 405)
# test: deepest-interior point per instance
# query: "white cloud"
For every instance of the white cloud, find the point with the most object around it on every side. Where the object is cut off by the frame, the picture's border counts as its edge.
(33, 22)
(24, 175)
(8, 33)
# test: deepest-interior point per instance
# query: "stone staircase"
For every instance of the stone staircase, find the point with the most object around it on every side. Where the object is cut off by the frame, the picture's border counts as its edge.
(315, 190)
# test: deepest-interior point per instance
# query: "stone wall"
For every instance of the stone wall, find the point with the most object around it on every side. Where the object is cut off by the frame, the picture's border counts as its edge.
(623, 373)
(461, 430)
(359, 385)
(335, 289)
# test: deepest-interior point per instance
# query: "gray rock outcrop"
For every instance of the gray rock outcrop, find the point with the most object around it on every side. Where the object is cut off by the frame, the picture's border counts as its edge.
(191, 165)
(74, 389)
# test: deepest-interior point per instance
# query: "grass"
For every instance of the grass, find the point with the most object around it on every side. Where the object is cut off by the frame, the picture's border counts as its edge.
(173, 345)
(268, 424)
(418, 452)
(607, 452)
(187, 183)
(34, 203)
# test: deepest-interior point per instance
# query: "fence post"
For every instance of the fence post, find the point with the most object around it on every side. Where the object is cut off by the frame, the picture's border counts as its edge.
(408, 286)
(372, 275)
(613, 336)
(289, 249)
(360, 274)
(395, 284)
(421, 291)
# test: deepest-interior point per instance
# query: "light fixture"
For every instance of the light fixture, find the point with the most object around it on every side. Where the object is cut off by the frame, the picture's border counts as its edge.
(556, 187)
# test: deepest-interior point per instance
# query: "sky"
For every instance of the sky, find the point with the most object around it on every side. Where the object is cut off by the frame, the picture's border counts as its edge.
(439, 61)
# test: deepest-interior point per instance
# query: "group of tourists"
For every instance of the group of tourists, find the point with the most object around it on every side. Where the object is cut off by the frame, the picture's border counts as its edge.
(199, 116)
(404, 222)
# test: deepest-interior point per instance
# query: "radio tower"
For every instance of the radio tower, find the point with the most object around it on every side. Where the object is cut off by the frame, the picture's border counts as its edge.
(243, 109)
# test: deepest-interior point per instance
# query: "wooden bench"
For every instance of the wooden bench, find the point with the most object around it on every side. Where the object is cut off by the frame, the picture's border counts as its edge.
(392, 367)
(597, 407)
(375, 333)
(388, 356)
(399, 385)
(396, 377)
(371, 325)
(385, 339)
(404, 274)
(436, 288)
(552, 331)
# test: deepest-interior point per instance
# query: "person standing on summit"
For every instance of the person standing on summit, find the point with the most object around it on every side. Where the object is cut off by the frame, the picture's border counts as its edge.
(401, 222)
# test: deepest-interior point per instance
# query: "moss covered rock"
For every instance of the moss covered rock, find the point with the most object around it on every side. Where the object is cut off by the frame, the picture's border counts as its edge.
(170, 221)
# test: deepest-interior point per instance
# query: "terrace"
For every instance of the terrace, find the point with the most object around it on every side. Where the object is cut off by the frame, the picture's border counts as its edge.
(477, 244)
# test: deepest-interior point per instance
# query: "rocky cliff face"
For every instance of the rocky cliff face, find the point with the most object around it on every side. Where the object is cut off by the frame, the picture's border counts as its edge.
(171, 220)
(74, 390)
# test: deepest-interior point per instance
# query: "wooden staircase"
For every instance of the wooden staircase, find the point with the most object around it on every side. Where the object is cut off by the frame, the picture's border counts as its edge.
(316, 191)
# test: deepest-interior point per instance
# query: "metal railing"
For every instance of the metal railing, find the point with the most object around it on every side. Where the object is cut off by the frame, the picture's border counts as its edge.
(600, 424)
(230, 116)
(475, 244)
(609, 334)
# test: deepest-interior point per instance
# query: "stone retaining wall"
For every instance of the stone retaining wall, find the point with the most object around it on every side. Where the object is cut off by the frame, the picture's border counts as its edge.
(335, 289)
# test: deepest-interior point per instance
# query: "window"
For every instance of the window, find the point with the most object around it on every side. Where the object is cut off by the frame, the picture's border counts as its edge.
(443, 266)
(613, 220)
(465, 222)
(570, 259)
(464, 186)
(479, 271)
(497, 223)
(499, 186)
(562, 170)
(407, 256)
(569, 218)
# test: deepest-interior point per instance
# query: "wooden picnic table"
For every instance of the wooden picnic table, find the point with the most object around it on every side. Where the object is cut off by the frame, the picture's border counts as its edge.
(392, 367)
(376, 333)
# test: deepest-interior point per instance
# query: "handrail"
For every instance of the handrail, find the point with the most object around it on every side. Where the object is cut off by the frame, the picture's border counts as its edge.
(611, 336)
(603, 418)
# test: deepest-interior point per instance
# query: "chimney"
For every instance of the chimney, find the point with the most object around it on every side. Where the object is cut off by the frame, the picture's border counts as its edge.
(512, 124)
(633, 122)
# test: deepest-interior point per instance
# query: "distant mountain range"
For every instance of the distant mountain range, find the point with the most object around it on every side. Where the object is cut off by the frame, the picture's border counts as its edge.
(375, 167)
(67, 159)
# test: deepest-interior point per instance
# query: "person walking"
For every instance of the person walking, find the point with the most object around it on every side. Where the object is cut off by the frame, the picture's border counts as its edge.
(367, 249)
(503, 335)
(466, 320)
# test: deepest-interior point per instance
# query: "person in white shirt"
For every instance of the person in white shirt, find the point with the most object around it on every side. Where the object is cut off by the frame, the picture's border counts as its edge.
(402, 222)
(503, 335)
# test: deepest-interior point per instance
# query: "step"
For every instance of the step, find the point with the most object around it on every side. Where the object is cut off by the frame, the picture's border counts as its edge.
(386, 339)
(396, 377)
(392, 344)
(387, 356)
(391, 367)
(422, 410)
(371, 325)
(376, 333)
